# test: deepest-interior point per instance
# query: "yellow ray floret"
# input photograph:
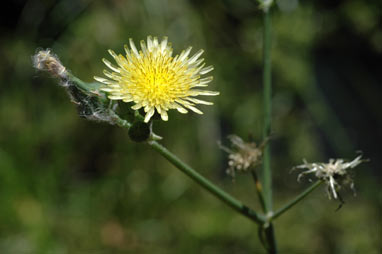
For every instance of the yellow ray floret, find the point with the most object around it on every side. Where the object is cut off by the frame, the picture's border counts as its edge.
(155, 80)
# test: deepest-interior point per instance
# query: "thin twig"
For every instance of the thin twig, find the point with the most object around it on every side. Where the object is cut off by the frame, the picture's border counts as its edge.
(294, 201)
(259, 189)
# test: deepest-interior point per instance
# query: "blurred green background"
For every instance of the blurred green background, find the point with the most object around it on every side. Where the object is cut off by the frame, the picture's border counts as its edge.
(68, 185)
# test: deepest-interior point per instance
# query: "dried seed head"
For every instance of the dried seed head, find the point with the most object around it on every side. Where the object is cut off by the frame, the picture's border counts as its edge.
(242, 156)
(44, 60)
(335, 174)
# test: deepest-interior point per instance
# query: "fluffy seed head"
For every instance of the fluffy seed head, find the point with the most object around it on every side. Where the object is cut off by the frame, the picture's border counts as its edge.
(155, 80)
(242, 156)
(334, 173)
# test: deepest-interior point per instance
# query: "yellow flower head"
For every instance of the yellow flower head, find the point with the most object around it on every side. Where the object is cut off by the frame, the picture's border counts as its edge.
(155, 80)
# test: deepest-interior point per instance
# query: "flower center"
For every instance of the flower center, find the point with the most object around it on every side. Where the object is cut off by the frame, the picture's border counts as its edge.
(155, 79)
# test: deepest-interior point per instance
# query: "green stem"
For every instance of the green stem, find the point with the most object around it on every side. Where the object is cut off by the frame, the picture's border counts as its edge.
(267, 83)
(86, 87)
(291, 203)
(259, 189)
(267, 93)
(79, 83)
(119, 121)
(271, 239)
(208, 185)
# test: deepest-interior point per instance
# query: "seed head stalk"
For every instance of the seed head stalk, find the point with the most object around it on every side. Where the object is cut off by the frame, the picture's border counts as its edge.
(297, 199)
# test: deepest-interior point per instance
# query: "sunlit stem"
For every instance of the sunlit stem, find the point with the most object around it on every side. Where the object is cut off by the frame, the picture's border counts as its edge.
(207, 185)
(291, 203)
(198, 178)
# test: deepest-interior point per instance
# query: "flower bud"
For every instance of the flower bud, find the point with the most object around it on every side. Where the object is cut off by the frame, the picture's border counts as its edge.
(44, 60)
(139, 131)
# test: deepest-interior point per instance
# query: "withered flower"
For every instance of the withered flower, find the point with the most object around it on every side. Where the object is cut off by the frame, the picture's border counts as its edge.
(242, 156)
(335, 174)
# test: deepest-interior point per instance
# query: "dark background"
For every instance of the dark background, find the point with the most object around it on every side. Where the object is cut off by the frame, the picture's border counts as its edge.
(68, 185)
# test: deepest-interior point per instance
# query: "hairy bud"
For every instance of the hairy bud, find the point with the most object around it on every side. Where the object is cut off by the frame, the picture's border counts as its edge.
(44, 60)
